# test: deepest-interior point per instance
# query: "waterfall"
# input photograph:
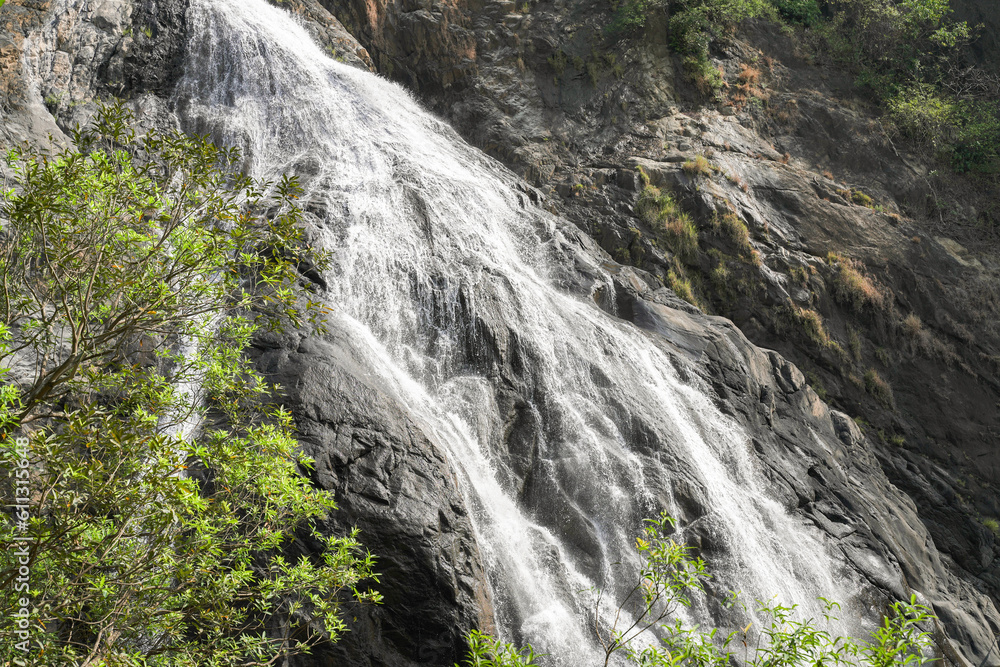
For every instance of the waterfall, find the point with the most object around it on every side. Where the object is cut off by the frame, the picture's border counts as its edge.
(456, 286)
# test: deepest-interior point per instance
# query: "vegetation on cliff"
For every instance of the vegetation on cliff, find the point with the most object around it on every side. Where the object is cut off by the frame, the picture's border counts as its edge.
(906, 55)
(162, 494)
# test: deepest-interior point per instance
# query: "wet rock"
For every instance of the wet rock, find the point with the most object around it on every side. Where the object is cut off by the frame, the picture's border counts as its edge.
(429, 45)
(393, 483)
(329, 32)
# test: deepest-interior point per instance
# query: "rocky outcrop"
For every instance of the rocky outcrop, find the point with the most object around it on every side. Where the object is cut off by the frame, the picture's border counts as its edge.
(23, 116)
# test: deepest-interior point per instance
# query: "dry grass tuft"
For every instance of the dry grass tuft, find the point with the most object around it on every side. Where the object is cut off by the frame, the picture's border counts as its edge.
(731, 227)
(853, 288)
(681, 286)
(665, 217)
(912, 326)
(879, 389)
(699, 166)
(748, 74)
(812, 325)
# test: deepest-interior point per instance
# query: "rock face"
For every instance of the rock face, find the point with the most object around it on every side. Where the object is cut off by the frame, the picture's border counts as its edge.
(426, 43)
(822, 190)
(395, 485)
(329, 32)
(833, 480)
(902, 498)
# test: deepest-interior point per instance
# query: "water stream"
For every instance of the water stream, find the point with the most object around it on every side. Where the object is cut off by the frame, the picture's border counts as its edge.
(451, 278)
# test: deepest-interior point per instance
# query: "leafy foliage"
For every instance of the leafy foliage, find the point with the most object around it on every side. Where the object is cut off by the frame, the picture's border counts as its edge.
(802, 12)
(485, 651)
(905, 53)
(670, 577)
(694, 24)
(667, 579)
(166, 494)
(104, 246)
(630, 17)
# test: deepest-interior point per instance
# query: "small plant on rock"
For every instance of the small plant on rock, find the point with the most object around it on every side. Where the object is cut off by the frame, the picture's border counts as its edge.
(659, 210)
(678, 281)
(859, 197)
(485, 651)
(879, 389)
(699, 166)
(853, 288)
(734, 229)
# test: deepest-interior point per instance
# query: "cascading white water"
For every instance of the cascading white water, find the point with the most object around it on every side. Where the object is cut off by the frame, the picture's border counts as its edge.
(432, 242)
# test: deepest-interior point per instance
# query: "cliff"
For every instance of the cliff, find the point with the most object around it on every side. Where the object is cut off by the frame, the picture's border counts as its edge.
(846, 290)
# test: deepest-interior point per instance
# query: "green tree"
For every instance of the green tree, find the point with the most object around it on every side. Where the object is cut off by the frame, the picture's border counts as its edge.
(165, 491)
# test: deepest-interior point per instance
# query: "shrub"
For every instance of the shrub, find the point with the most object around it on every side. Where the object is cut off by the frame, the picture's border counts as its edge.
(993, 525)
(735, 230)
(812, 326)
(919, 111)
(748, 74)
(690, 31)
(693, 26)
(682, 237)
(803, 12)
(681, 285)
(859, 197)
(976, 147)
(912, 326)
(485, 651)
(558, 61)
(893, 40)
(653, 203)
(706, 77)
(907, 54)
(799, 275)
(854, 343)
(629, 18)
(721, 276)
